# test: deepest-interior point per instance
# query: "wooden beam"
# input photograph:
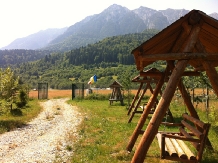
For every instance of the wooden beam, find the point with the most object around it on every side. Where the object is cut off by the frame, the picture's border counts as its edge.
(146, 112)
(190, 42)
(159, 74)
(135, 98)
(194, 18)
(138, 102)
(159, 113)
(212, 75)
(183, 35)
(172, 56)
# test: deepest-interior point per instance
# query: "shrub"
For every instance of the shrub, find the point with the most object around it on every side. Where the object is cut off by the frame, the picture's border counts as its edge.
(22, 99)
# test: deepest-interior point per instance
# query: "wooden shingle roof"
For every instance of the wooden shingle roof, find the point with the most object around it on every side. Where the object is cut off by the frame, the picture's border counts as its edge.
(196, 28)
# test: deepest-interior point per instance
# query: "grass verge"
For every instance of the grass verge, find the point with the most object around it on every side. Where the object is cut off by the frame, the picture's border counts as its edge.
(105, 134)
(19, 117)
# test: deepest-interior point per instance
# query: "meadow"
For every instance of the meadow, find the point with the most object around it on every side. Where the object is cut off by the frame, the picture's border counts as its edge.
(105, 131)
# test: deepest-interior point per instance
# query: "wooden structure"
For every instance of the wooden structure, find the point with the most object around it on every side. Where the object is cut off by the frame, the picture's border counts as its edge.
(116, 94)
(173, 145)
(190, 41)
(145, 81)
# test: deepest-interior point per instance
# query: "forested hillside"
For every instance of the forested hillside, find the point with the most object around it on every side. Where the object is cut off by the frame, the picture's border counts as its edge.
(17, 56)
(109, 59)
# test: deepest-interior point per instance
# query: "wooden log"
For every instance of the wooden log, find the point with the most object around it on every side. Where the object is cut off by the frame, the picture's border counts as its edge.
(187, 151)
(179, 150)
(182, 37)
(160, 112)
(135, 98)
(170, 148)
(166, 153)
(145, 114)
(194, 18)
(189, 137)
(170, 135)
(189, 44)
(212, 75)
(138, 102)
(158, 74)
(194, 120)
(192, 129)
(187, 100)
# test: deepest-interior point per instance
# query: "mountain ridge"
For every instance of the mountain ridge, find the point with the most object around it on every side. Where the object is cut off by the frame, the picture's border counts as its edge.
(112, 21)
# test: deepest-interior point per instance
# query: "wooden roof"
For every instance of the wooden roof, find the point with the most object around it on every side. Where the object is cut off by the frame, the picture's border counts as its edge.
(150, 75)
(194, 37)
(115, 84)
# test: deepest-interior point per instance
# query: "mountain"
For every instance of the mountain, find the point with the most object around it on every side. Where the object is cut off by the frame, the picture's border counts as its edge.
(37, 40)
(59, 69)
(114, 20)
(214, 15)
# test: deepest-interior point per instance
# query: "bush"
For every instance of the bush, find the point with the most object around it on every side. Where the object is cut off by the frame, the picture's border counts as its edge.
(22, 99)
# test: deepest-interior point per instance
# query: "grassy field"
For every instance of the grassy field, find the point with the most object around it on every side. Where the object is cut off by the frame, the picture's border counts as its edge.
(105, 133)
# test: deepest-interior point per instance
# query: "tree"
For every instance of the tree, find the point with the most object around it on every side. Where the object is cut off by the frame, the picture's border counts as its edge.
(8, 87)
(126, 83)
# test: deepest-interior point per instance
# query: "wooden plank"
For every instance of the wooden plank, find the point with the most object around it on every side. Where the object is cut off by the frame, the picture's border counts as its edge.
(212, 30)
(187, 151)
(194, 120)
(208, 41)
(179, 150)
(192, 129)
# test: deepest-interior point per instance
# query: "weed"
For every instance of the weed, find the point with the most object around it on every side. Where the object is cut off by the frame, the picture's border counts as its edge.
(69, 148)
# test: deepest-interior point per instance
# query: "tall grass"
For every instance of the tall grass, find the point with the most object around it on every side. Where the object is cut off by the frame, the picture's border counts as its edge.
(105, 133)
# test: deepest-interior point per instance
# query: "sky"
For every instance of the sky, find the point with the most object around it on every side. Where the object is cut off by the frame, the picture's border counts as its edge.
(21, 18)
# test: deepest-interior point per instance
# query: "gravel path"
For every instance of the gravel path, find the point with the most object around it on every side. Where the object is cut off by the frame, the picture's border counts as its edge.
(44, 139)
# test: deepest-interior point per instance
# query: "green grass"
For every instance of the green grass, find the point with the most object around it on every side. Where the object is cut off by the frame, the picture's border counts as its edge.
(105, 134)
(18, 117)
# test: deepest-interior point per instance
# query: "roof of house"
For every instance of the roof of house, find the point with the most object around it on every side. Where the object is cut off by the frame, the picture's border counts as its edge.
(193, 37)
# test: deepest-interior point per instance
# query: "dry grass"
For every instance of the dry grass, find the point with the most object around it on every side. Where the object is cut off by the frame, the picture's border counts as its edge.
(68, 93)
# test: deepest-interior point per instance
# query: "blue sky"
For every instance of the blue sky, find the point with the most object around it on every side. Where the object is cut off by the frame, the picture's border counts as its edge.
(20, 18)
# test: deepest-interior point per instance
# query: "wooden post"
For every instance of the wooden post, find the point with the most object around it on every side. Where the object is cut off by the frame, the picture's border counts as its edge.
(187, 100)
(138, 103)
(146, 112)
(212, 75)
(159, 113)
(135, 98)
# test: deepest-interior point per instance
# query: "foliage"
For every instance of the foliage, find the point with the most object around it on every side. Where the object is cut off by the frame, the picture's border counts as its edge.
(22, 98)
(106, 58)
(126, 83)
(8, 87)
(17, 56)
(19, 117)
